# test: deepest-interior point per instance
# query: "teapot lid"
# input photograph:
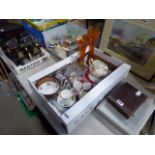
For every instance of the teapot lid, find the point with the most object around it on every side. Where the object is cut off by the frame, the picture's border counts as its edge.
(99, 64)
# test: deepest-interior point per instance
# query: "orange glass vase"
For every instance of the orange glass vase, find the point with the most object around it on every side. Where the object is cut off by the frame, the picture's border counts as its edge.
(82, 44)
(92, 36)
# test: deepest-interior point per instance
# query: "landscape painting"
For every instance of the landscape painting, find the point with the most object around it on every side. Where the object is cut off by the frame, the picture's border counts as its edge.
(132, 41)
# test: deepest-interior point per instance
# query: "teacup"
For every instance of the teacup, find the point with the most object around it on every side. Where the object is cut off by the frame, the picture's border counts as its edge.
(98, 68)
(66, 98)
(60, 52)
(81, 85)
(77, 85)
(86, 86)
(93, 78)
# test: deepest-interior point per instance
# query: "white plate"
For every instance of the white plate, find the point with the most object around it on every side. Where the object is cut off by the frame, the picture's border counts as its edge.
(48, 88)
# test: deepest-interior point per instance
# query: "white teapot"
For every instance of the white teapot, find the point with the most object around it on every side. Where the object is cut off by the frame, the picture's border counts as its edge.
(98, 68)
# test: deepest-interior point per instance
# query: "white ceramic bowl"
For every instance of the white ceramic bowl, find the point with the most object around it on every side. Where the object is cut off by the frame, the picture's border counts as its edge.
(48, 88)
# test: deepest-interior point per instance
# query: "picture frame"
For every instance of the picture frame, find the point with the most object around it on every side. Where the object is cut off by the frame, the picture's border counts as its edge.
(132, 41)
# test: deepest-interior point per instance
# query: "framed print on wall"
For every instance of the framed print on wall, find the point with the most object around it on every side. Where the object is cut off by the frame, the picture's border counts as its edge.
(133, 42)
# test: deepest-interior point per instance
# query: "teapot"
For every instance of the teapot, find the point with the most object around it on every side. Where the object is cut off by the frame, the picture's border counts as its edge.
(98, 68)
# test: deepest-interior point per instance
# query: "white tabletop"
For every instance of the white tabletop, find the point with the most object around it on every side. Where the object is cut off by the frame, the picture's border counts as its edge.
(135, 123)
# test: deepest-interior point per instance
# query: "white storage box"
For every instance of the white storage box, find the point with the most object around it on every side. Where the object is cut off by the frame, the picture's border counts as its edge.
(61, 32)
(22, 68)
(85, 105)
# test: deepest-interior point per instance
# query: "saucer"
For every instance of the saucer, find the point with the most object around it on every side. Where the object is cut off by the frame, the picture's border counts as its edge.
(48, 88)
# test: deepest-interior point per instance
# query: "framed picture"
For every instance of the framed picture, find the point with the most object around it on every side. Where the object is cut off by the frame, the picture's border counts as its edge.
(132, 41)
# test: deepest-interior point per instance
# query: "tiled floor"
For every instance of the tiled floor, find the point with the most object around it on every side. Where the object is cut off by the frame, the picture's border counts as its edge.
(14, 120)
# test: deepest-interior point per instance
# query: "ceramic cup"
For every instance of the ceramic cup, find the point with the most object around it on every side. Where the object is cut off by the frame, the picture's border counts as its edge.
(93, 78)
(86, 86)
(60, 52)
(77, 85)
(66, 98)
(98, 68)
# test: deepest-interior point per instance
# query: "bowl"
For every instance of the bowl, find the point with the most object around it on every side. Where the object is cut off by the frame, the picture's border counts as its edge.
(48, 85)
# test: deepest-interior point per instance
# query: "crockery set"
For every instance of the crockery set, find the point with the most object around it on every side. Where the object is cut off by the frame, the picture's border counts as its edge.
(65, 87)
